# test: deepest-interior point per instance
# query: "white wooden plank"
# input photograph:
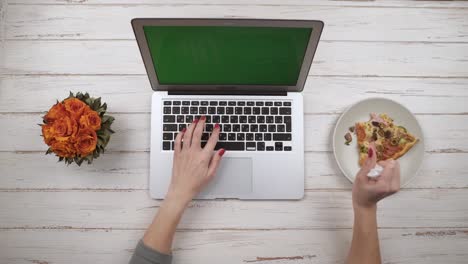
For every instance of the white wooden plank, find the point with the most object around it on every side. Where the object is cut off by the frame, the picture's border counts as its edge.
(26, 93)
(342, 23)
(318, 209)
(133, 132)
(408, 246)
(124, 171)
(332, 58)
(374, 3)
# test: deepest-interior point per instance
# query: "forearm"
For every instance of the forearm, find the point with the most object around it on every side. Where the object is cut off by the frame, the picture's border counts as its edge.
(365, 245)
(160, 234)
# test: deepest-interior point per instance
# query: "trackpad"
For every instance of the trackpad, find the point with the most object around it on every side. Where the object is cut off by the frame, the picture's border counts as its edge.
(233, 179)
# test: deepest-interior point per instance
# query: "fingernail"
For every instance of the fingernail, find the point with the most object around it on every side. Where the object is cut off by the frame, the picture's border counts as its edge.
(203, 118)
(370, 152)
(216, 125)
(221, 152)
(195, 121)
(184, 129)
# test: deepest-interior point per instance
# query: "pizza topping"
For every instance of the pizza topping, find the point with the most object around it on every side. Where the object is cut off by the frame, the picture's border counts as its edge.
(348, 138)
(374, 135)
(403, 128)
(376, 118)
(388, 134)
(351, 129)
(375, 123)
(394, 142)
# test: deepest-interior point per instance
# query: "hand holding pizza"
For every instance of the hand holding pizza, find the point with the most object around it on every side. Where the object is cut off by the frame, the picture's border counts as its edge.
(368, 191)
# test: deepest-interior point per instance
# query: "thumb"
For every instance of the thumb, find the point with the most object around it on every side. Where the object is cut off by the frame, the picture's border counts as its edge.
(214, 164)
(369, 163)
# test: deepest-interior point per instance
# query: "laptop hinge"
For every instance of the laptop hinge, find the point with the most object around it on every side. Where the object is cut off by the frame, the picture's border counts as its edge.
(264, 93)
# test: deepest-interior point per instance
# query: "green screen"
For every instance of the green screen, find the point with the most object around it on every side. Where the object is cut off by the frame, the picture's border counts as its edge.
(207, 55)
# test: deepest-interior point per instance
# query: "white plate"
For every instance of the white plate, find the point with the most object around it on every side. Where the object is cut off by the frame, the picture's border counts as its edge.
(347, 156)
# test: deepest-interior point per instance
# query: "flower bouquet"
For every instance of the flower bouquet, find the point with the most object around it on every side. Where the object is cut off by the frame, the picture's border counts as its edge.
(77, 128)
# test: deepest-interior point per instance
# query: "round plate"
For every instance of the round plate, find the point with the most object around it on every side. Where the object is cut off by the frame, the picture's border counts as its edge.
(347, 156)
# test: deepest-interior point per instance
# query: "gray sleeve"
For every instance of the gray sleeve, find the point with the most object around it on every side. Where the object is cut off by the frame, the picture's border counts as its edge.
(146, 255)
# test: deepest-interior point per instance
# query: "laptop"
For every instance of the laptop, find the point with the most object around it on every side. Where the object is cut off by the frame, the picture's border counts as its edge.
(245, 74)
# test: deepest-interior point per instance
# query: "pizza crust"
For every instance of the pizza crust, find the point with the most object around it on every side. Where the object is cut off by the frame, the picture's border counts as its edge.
(407, 147)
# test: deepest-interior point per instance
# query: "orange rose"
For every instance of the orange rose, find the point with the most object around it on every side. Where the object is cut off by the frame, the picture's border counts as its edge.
(64, 149)
(86, 141)
(75, 107)
(47, 134)
(57, 111)
(64, 128)
(90, 119)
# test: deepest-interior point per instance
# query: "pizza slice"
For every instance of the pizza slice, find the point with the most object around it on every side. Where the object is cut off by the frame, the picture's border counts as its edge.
(391, 140)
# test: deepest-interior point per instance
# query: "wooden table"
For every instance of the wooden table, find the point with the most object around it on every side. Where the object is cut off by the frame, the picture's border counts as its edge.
(412, 52)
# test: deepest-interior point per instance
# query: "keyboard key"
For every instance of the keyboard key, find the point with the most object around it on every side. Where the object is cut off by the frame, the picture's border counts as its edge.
(185, 102)
(278, 104)
(166, 145)
(213, 103)
(176, 110)
(230, 145)
(169, 127)
(269, 119)
(180, 119)
(247, 110)
(238, 110)
(205, 136)
(204, 103)
(271, 128)
(245, 128)
(208, 119)
(274, 111)
(249, 136)
(220, 111)
(188, 119)
(240, 136)
(176, 103)
(185, 110)
(222, 136)
(270, 148)
(232, 103)
(216, 119)
(167, 110)
(223, 103)
(225, 119)
(278, 119)
(250, 146)
(261, 146)
(253, 128)
(269, 103)
(256, 110)
(265, 111)
(260, 119)
(234, 119)
(193, 110)
(241, 103)
(169, 119)
(287, 103)
(250, 103)
(182, 126)
(287, 148)
(229, 110)
(278, 146)
(243, 119)
(202, 110)
(267, 136)
(259, 103)
(280, 128)
(232, 136)
(263, 128)
(195, 103)
(211, 110)
(227, 128)
(282, 137)
(167, 136)
(167, 102)
(209, 127)
(258, 136)
(287, 119)
(285, 110)
(236, 128)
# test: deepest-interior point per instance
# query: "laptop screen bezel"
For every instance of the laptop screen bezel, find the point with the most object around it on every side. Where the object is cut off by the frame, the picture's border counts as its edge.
(315, 25)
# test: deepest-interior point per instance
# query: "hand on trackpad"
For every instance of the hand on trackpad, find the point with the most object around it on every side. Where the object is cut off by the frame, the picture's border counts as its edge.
(233, 179)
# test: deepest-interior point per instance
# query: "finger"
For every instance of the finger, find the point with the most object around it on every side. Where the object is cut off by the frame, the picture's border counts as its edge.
(388, 172)
(369, 163)
(197, 133)
(214, 163)
(211, 144)
(178, 141)
(188, 134)
(395, 185)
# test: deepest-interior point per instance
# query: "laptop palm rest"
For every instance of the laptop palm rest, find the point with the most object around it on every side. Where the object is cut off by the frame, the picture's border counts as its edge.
(233, 179)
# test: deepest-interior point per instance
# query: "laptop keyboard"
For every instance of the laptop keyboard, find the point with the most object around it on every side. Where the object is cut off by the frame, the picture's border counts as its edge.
(245, 125)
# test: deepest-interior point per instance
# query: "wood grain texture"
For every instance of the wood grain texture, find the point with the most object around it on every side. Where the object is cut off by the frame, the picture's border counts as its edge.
(38, 93)
(133, 132)
(126, 171)
(400, 246)
(318, 209)
(341, 23)
(353, 3)
(332, 58)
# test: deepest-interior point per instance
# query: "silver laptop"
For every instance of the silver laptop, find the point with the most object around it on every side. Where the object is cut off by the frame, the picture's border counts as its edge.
(245, 74)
